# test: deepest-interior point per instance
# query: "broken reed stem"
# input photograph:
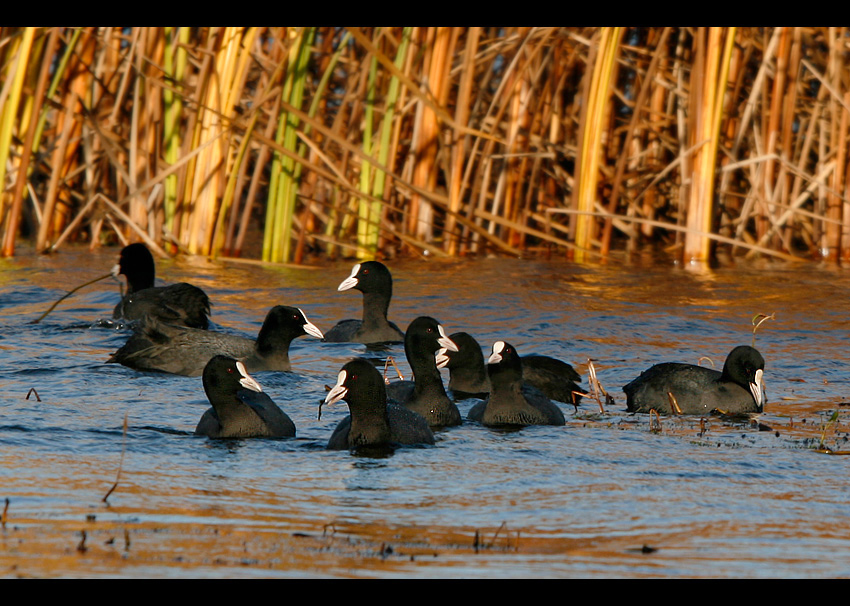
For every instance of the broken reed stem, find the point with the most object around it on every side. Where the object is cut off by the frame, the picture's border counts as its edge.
(595, 386)
(390, 361)
(654, 421)
(68, 294)
(674, 405)
(757, 321)
(121, 463)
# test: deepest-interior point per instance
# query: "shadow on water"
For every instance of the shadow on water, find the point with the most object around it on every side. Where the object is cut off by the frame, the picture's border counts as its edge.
(611, 494)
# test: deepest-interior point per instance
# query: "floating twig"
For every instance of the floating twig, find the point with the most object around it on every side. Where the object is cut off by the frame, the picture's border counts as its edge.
(5, 514)
(34, 392)
(321, 402)
(81, 546)
(68, 294)
(504, 526)
(757, 321)
(699, 362)
(121, 463)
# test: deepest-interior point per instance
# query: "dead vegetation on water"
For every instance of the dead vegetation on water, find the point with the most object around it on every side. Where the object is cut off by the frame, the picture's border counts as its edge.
(282, 143)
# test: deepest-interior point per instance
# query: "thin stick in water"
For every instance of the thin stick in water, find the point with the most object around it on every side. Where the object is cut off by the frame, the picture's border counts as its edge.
(68, 294)
(757, 321)
(121, 463)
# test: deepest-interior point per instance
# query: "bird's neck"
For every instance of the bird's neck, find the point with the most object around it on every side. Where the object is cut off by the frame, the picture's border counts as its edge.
(375, 307)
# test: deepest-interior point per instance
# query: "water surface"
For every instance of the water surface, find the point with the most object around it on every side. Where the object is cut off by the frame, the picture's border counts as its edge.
(609, 495)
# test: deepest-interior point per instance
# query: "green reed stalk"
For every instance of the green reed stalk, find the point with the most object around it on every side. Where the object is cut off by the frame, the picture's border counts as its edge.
(176, 59)
(363, 224)
(369, 227)
(283, 187)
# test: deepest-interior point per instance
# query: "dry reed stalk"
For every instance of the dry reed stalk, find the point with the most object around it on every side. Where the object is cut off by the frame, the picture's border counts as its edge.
(420, 222)
(27, 149)
(211, 165)
(371, 212)
(12, 93)
(598, 99)
(234, 162)
(708, 81)
(58, 155)
(503, 146)
(645, 89)
(77, 91)
(685, 230)
(420, 92)
(772, 134)
(460, 142)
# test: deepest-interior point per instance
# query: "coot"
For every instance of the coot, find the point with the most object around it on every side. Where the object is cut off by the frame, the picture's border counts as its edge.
(425, 345)
(180, 304)
(374, 280)
(155, 346)
(240, 409)
(511, 402)
(698, 390)
(468, 373)
(372, 423)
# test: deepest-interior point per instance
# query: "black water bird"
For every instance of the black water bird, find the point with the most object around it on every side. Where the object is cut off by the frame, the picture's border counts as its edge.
(468, 373)
(372, 422)
(240, 408)
(375, 281)
(425, 346)
(511, 401)
(155, 346)
(179, 304)
(697, 390)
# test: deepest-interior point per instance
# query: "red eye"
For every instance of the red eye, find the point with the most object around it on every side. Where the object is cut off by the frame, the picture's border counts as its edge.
(507, 350)
(365, 272)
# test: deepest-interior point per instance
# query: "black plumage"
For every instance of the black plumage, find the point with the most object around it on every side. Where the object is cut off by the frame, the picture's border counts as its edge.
(697, 390)
(375, 281)
(372, 423)
(425, 346)
(178, 304)
(510, 401)
(155, 346)
(468, 373)
(240, 409)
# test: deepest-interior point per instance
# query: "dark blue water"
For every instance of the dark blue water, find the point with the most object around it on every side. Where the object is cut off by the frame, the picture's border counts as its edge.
(710, 499)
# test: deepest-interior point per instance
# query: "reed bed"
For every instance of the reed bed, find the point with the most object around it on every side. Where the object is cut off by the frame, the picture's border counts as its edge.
(287, 143)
